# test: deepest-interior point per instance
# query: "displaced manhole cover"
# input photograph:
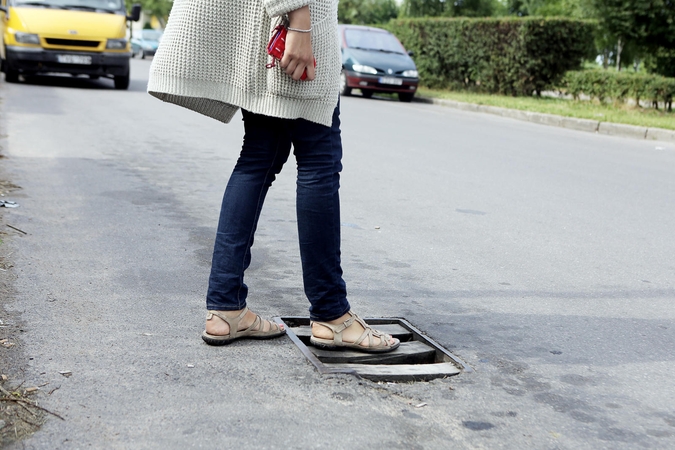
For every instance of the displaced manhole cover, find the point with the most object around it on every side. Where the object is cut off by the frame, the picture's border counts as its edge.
(418, 358)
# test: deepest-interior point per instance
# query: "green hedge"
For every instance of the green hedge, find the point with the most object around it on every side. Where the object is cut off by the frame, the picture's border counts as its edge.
(609, 85)
(516, 56)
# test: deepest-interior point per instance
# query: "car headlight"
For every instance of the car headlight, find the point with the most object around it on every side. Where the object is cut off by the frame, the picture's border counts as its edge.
(410, 73)
(364, 69)
(116, 44)
(27, 38)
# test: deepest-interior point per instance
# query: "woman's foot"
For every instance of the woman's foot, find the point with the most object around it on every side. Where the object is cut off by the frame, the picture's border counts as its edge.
(216, 326)
(223, 327)
(351, 332)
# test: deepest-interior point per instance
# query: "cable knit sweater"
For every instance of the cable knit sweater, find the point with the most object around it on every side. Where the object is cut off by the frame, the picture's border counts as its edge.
(213, 54)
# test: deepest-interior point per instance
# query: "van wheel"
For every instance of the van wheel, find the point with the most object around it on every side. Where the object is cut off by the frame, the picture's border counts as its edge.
(11, 76)
(122, 82)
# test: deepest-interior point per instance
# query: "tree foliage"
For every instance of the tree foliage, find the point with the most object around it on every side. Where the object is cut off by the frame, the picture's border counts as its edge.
(649, 23)
(457, 8)
(642, 26)
(629, 31)
(157, 8)
(661, 61)
(367, 12)
(578, 9)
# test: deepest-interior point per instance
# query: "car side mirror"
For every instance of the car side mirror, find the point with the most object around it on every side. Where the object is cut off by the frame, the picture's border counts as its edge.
(135, 12)
(411, 53)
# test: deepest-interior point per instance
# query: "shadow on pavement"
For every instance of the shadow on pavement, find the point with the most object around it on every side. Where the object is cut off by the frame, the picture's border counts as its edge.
(79, 82)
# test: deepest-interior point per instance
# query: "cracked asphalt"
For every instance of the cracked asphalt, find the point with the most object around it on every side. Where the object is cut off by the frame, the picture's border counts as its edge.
(542, 257)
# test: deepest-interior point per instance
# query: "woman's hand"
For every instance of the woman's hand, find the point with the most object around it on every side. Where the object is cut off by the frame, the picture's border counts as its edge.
(298, 55)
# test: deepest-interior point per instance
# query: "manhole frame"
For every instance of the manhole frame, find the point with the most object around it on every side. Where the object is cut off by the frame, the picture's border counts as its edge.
(323, 369)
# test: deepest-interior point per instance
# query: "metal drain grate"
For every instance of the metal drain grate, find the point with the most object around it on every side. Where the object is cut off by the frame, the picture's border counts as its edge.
(418, 358)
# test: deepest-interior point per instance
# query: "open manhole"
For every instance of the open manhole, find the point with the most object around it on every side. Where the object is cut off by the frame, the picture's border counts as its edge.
(418, 358)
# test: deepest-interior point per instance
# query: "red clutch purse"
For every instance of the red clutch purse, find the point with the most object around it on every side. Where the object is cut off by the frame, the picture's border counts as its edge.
(276, 47)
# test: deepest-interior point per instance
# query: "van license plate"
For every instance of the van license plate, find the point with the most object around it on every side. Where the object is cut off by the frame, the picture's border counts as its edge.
(74, 59)
(391, 80)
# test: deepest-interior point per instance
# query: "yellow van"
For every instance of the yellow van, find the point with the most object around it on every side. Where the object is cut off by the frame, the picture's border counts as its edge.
(79, 37)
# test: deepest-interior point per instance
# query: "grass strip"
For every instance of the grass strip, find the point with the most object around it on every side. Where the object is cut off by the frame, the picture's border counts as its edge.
(582, 109)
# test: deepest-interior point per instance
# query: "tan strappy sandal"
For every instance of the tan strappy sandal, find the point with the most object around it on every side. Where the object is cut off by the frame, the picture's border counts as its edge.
(252, 332)
(337, 342)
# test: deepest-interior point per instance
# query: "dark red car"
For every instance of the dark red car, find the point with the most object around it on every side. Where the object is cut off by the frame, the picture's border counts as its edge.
(374, 60)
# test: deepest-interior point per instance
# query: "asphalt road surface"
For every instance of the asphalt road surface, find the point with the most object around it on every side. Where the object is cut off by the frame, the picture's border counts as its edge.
(543, 257)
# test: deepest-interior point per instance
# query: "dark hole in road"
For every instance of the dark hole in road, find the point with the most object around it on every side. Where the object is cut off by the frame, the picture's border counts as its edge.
(418, 358)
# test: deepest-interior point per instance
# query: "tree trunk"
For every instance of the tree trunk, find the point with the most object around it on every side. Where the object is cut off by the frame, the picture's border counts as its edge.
(619, 48)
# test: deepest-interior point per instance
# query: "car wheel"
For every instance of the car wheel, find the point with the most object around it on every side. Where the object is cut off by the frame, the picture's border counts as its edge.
(406, 96)
(122, 81)
(344, 89)
(366, 93)
(142, 54)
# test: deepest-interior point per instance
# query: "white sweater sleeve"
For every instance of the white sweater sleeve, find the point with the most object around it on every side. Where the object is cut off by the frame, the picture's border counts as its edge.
(278, 7)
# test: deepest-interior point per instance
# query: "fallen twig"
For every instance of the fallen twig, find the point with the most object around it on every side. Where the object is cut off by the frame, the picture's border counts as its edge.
(30, 423)
(21, 401)
(26, 408)
(5, 391)
(48, 411)
(17, 229)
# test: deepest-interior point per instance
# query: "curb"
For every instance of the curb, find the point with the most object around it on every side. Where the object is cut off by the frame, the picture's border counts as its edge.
(593, 126)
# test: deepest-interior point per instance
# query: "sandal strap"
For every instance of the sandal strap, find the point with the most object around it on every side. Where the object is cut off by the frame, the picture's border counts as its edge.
(338, 329)
(258, 325)
(232, 322)
(371, 333)
(368, 332)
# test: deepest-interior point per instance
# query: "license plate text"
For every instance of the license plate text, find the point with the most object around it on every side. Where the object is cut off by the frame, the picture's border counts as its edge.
(74, 59)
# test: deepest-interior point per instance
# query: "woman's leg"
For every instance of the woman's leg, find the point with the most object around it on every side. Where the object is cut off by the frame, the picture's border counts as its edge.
(318, 151)
(266, 147)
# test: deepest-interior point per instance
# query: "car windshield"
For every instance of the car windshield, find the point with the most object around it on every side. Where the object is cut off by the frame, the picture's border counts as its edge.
(151, 35)
(87, 5)
(372, 40)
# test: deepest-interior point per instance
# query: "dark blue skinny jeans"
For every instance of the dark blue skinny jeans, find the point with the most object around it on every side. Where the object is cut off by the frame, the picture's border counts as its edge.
(267, 145)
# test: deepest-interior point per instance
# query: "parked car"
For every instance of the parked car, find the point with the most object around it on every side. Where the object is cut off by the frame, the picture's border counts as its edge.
(374, 60)
(145, 43)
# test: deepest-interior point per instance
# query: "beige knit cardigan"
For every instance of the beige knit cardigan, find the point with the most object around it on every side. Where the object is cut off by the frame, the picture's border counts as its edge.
(213, 54)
